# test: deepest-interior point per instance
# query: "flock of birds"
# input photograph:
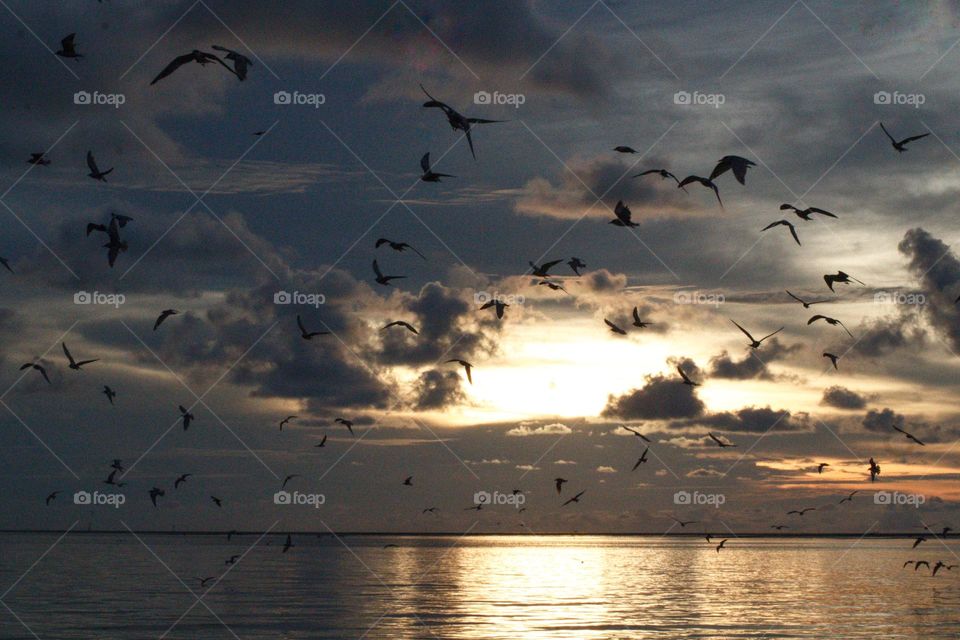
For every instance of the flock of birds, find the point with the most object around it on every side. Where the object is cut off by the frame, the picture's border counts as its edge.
(736, 165)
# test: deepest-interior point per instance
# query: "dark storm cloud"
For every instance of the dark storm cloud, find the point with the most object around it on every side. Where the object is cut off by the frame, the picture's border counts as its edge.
(755, 420)
(437, 389)
(659, 398)
(843, 398)
(882, 421)
(753, 365)
(938, 271)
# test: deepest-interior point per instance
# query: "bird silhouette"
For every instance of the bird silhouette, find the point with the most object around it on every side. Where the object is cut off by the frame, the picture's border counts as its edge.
(186, 416)
(736, 164)
(286, 421)
(200, 57)
(68, 48)
(288, 479)
(800, 512)
(38, 159)
(831, 321)
(180, 480)
(95, 172)
(347, 423)
(874, 470)
(614, 328)
(401, 323)
(720, 443)
(241, 63)
(754, 343)
(901, 145)
(542, 270)
(467, 367)
(428, 174)
(397, 246)
(641, 459)
(457, 121)
(787, 224)
(36, 367)
(166, 313)
(840, 277)
(806, 305)
(663, 173)
(833, 358)
(575, 498)
(309, 335)
(154, 494)
(637, 322)
(908, 436)
(702, 181)
(623, 216)
(558, 483)
(576, 264)
(382, 279)
(805, 214)
(73, 364)
(822, 466)
(500, 306)
(686, 379)
(624, 149)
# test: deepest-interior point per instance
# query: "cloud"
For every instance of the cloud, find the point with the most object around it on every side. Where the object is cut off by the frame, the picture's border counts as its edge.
(937, 269)
(659, 398)
(753, 366)
(545, 430)
(882, 421)
(843, 398)
(436, 389)
(755, 420)
(605, 469)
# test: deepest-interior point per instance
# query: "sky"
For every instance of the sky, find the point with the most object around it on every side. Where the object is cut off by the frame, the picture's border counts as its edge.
(248, 194)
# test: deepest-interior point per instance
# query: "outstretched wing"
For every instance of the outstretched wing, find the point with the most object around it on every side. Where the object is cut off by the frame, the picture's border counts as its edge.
(177, 62)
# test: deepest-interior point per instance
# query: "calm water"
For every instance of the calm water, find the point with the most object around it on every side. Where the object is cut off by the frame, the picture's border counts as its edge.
(112, 586)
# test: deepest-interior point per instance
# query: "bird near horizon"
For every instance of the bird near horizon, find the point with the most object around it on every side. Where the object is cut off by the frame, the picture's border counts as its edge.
(683, 523)
(800, 512)
(822, 466)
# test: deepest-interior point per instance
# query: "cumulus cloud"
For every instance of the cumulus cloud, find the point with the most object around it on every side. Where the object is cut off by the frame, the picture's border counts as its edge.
(753, 365)
(938, 272)
(659, 398)
(843, 398)
(544, 430)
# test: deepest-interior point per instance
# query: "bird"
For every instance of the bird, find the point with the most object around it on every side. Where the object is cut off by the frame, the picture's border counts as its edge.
(720, 443)
(831, 321)
(76, 366)
(217, 501)
(840, 277)
(822, 466)
(6, 264)
(909, 436)
(382, 279)
(397, 246)
(552, 285)
(789, 225)
(478, 507)
(641, 459)
(833, 359)
(204, 581)
(624, 215)
(945, 531)
(241, 63)
(500, 306)
(430, 510)
(686, 379)
(347, 423)
(117, 465)
(201, 57)
(703, 181)
(163, 316)
(232, 559)
(114, 244)
(918, 541)
(458, 122)
(663, 173)
(614, 328)
(542, 270)
(38, 367)
(308, 335)
(68, 48)
(323, 441)
(558, 483)
(779, 527)
(908, 563)
(110, 393)
(805, 214)
(51, 497)
(408, 481)
(187, 417)
(849, 498)
(806, 305)
(95, 172)
(901, 145)
(754, 343)
(405, 325)
(287, 544)
(940, 564)
(624, 149)
(576, 264)
(683, 523)
(920, 562)
(285, 421)
(575, 498)
(466, 367)
(39, 159)
(111, 479)
(800, 512)
(288, 479)
(637, 322)
(720, 546)
(180, 480)
(154, 494)
(736, 164)
(428, 174)
(874, 470)
(636, 433)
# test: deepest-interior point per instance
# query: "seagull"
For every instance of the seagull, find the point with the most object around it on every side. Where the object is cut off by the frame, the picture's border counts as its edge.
(405, 325)
(624, 149)
(686, 379)
(917, 542)
(466, 367)
(909, 436)
(110, 393)
(288, 479)
(204, 581)
(323, 441)
(430, 510)
(737, 164)
(542, 271)
(397, 246)
(217, 501)
(307, 335)
(806, 305)
(232, 559)
(95, 172)
(614, 328)
(637, 322)
(187, 417)
(200, 57)
(705, 182)
(558, 483)
(830, 321)
(180, 480)
(720, 443)
(428, 175)
(287, 544)
(841, 277)
(945, 531)
(849, 498)
(683, 523)
(154, 493)
(636, 433)
(408, 481)
(117, 464)
(833, 359)
(623, 214)
(76, 366)
(163, 316)
(553, 285)
(720, 546)
(38, 367)
(641, 459)
(111, 479)
(68, 48)
(821, 466)
(920, 562)
(663, 173)
(786, 223)
(51, 497)
(805, 214)
(754, 343)
(576, 264)
(901, 145)
(347, 423)
(6, 264)
(114, 244)
(382, 279)
(874, 470)
(575, 498)
(458, 122)
(39, 159)
(940, 564)
(240, 62)
(500, 306)
(800, 512)
(285, 421)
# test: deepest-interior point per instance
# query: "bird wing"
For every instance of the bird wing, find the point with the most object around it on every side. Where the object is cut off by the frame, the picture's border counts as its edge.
(772, 334)
(793, 232)
(67, 43)
(613, 327)
(300, 324)
(815, 318)
(425, 162)
(795, 297)
(376, 269)
(722, 167)
(888, 133)
(647, 172)
(774, 224)
(467, 367)
(636, 314)
(683, 375)
(175, 64)
(622, 212)
(745, 332)
(822, 212)
(91, 163)
(548, 265)
(912, 138)
(66, 352)
(482, 121)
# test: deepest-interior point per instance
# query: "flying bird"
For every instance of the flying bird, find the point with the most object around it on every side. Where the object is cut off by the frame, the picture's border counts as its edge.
(785, 223)
(466, 367)
(779, 527)
(663, 173)
(408, 481)
(940, 564)
(874, 470)
(908, 436)
(430, 510)
(241, 63)
(624, 216)
(683, 523)
(38, 367)
(822, 466)
(347, 423)
(833, 358)
(217, 501)
(232, 559)
(95, 172)
(154, 494)
(201, 57)
(805, 214)
(576, 264)
(553, 286)
(901, 145)
(754, 343)
(500, 306)
(110, 393)
(51, 497)
(686, 378)
(286, 421)
(720, 546)
(180, 480)
(917, 542)
(920, 562)
(736, 164)
(614, 328)
(38, 159)
(288, 479)
(405, 325)
(428, 174)
(76, 366)
(575, 498)
(204, 581)
(111, 479)
(163, 316)
(635, 432)
(641, 459)
(806, 305)
(831, 321)
(117, 464)
(637, 322)
(458, 122)
(703, 181)
(558, 483)
(382, 279)
(287, 544)
(720, 443)
(541, 270)
(68, 48)
(849, 498)
(624, 149)
(840, 277)
(187, 417)
(800, 512)
(308, 335)
(397, 246)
